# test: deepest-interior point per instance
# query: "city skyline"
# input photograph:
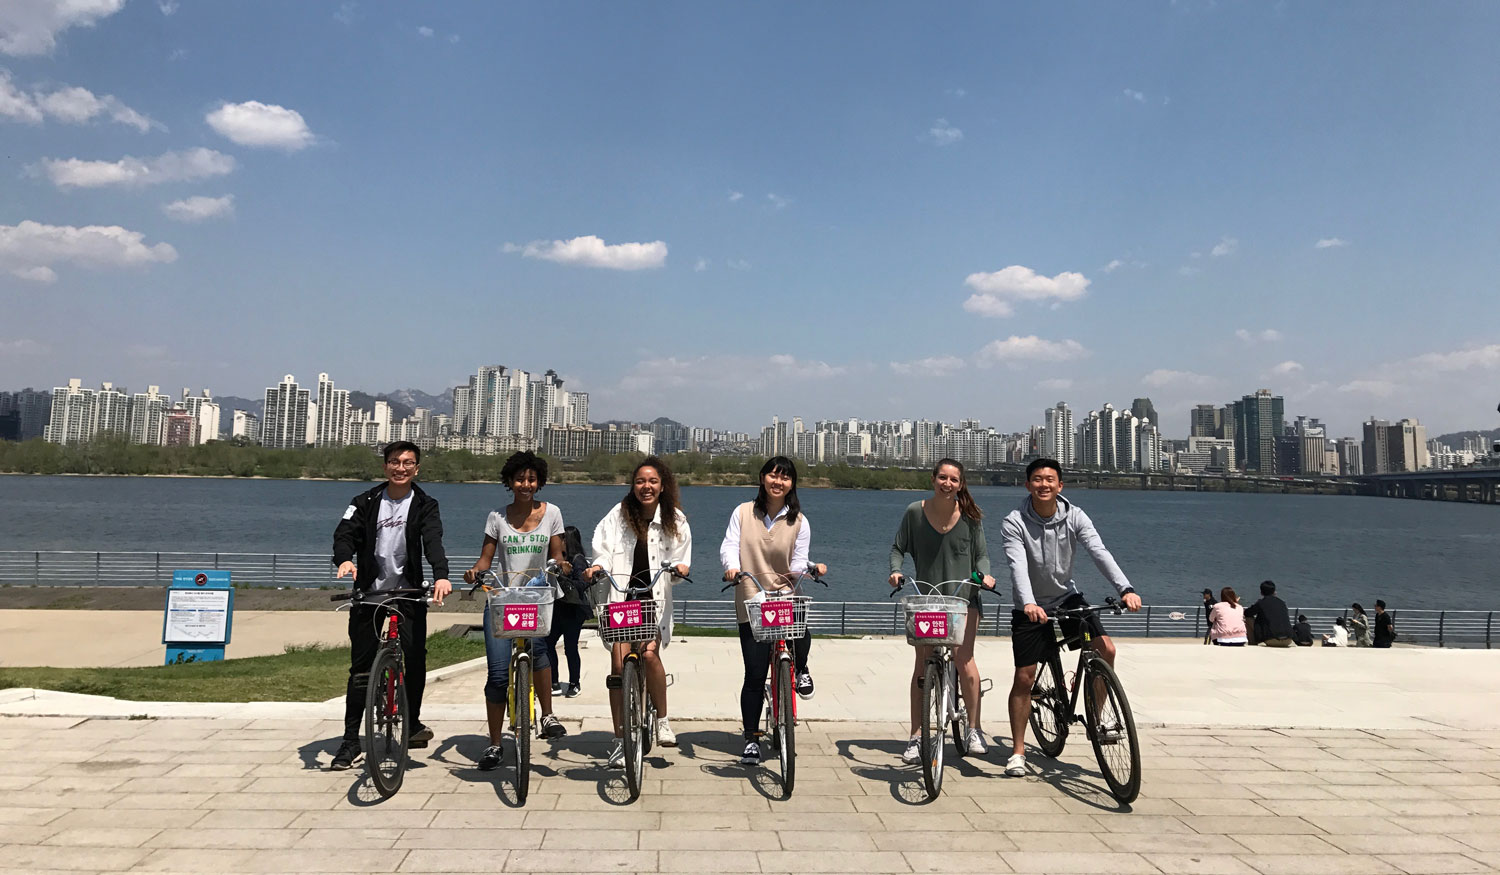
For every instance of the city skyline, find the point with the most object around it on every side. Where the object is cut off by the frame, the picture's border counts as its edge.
(1186, 200)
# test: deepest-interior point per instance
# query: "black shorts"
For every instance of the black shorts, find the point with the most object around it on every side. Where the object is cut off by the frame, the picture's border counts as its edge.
(1032, 643)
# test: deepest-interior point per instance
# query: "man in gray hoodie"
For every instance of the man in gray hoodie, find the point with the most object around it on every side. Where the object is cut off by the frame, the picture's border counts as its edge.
(1040, 538)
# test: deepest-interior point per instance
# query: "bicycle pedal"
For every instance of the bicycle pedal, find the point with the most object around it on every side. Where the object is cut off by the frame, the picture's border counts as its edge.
(985, 685)
(613, 682)
(671, 680)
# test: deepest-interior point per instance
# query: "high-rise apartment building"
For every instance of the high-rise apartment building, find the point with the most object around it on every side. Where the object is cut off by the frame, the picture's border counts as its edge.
(73, 416)
(332, 418)
(1059, 436)
(112, 410)
(284, 424)
(1377, 457)
(1351, 460)
(205, 413)
(148, 416)
(1143, 409)
(28, 411)
(1259, 420)
(245, 425)
(1148, 446)
(1406, 443)
(1205, 420)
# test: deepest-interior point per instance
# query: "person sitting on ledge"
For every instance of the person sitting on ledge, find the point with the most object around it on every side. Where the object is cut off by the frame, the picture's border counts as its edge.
(1272, 622)
(1340, 635)
(1302, 632)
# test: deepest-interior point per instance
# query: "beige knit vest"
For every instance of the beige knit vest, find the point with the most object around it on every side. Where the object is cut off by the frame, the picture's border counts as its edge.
(765, 553)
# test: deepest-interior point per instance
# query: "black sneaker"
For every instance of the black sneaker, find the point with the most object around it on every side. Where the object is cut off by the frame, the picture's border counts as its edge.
(347, 753)
(491, 757)
(751, 756)
(557, 688)
(805, 685)
(420, 737)
(570, 691)
(552, 728)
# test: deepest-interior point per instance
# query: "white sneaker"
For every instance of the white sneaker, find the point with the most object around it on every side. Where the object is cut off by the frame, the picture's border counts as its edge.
(976, 744)
(664, 734)
(1110, 733)
(913, 754)
(616, 755)
(1015, 767)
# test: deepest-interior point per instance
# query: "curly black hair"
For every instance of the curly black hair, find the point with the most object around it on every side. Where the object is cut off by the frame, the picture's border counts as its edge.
(521, 462)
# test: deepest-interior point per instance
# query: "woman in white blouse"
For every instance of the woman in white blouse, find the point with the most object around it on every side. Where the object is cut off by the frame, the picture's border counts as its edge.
(640, 533)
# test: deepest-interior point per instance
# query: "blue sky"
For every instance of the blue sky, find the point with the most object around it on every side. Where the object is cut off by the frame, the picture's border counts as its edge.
(720, 212)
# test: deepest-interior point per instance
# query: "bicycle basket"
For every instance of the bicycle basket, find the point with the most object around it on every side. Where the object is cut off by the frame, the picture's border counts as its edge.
(777, 616)
(935, 620)
(623, 622)
(521, 611)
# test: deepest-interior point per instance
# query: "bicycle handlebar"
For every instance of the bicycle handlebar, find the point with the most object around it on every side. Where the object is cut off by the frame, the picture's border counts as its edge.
(795, 585)
(404, 594)
(973, 580)
(601, 576)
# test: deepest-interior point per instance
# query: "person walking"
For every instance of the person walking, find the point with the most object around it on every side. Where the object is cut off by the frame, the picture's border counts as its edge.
(769, 538)
(1227, 620)
(638, 535)
(569, 614)
(381, 540)
(1385, 625)
(1359, 627)
(525, 534)
(944, 536)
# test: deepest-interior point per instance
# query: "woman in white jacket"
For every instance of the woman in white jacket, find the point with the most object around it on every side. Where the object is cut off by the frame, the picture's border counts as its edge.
(640, 533)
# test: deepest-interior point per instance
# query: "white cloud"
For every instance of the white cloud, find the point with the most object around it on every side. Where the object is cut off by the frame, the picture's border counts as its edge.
(1188, 270)
(1114, 264)
(943, 134)
(1484, 357)
(737, 264)
(1268, 335)
(253, 123)
(347, 13)
(935, 366)
(590, 251)
(424, 30)
(735, 196)
(1287, 368)
(167, 7)
(777, 201)
(30, 250)
(23, 346)
(995, 292)
(1016, 350)
(1330, 243)
(1225, 246)
(1137, 96)
(453, 38)
(1164, 378)
(69, 104)
(30, 27)
(200, 208)
(133, 172)
(1058, 384)
(700, 265)
(1377, 388)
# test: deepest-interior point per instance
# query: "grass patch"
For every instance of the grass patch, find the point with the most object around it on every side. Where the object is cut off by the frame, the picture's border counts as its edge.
(305, 673)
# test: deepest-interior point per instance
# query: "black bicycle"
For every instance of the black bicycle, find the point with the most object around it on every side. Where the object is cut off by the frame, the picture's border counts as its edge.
(387, 726)
(1106, 714)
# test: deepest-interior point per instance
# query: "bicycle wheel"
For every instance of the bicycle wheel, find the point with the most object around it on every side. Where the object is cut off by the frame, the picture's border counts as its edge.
(520, 721)
(1049, 707)
(786, 722)
(958, 714)
(1112, 730)
(634, 719)
(933, 729)
(386, 726)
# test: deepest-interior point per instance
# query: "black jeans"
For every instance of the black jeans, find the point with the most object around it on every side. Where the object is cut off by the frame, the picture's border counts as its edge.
(567, 623)
(364, 641)
(757, 657)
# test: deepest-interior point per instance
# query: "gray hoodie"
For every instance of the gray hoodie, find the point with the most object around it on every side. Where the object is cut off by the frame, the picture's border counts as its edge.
(1040, 552)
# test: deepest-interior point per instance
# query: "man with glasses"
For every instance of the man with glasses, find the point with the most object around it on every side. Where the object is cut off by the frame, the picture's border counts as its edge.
(381, 540)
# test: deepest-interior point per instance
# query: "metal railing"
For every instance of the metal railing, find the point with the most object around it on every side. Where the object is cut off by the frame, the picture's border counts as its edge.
(1441, 628)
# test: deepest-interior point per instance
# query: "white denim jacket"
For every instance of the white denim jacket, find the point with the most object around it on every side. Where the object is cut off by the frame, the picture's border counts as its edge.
(614, 551)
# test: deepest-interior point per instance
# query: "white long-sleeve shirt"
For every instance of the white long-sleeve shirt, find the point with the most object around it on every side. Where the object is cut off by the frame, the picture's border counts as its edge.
(729, 550)
(614, 551)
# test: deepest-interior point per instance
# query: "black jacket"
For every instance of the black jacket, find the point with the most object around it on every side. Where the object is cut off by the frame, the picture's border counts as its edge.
(1272, 619)
(354, 539)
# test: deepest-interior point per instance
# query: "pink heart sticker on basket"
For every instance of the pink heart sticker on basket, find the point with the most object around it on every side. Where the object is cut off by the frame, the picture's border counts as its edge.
(520, 617)
(930, 624)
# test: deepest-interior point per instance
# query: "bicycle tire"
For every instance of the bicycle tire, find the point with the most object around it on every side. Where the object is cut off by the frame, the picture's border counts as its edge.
(960, 721)
(933, 729)
(786, 748)
(1119, 758)
(1049, 707)
(387, 729)
(520, 721)
(633, 718)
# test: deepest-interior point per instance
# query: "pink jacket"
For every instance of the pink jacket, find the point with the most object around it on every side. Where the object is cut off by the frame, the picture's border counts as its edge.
(1226, 621)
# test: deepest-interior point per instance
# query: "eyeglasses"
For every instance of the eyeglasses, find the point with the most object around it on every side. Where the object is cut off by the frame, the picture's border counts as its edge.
(406, 464)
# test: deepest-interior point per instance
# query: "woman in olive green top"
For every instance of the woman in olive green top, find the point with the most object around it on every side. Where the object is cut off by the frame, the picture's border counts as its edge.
(945, 539)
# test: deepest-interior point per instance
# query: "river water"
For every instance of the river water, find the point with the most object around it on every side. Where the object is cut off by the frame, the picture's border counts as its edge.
(1321, 550)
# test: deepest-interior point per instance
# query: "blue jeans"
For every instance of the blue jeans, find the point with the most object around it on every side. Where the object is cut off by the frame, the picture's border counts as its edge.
(497, 652)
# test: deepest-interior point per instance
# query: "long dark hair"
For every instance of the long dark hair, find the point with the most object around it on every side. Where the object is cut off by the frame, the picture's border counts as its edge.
(1227, 594)
(779, 465)
(966, 504)
(635, 512)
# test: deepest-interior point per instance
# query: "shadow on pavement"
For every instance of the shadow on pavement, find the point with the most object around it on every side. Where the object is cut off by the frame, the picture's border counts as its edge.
(308, 753)
(1075, 782)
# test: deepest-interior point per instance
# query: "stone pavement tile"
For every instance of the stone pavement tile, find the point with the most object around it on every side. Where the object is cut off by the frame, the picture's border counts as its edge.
(279, 860)
(918, 841)
(1148, 843)
(256, 818)
(271, 801)
(674, 839)
(583, 837)
(1288, 844)
(185, 785)
(161, 800)
(1488, 858)
(85, 818)
(1398, 843)
(208, 770)
(112, 768)
(558, 861)
(1327, 864)
(366, 819)
(817, 804)
(102, 835)
(30, 858)
(1177, 777)
(776, 820)
(38, 754)
(1440, 779)
(831, 841)
(707, 861)
(28, 835)
(1222, 806)
(266, 757)
(1052, 842)
(18, 782)
(1491, 791)
(925, 821)
(1029, 805)
(1378, 792)
(367, 796)
(1037, 822)
(1420, 807)
(1059, 862)
(226, 837)
(1324, 808)
(347, 838)
(491, 838)
(1248, 825)
(318, 782)
(844, 861)
(26, 767)
(1106, 806)
(956, 861)
(1147, 823)
(1337, 825)
(1447, 825)
(1199, 864)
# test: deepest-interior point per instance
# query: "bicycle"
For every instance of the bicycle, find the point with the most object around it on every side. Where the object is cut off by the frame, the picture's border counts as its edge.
(519, 613)
(633, 621)
(938, 621)
(1106, 717)
(387, 729)
(779, 618)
